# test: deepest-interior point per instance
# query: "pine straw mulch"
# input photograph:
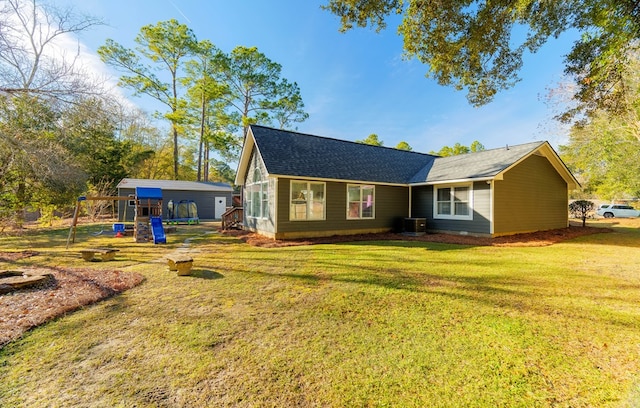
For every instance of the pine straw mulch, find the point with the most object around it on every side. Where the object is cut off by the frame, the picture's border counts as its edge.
(67, 290)
(541, 238)
(14, 256)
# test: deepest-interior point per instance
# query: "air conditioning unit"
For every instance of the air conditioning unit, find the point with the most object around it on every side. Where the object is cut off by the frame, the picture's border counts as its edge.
(415, 226)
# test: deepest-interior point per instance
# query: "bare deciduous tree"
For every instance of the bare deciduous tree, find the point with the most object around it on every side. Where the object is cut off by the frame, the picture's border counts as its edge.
(32, 59)
(37, 78)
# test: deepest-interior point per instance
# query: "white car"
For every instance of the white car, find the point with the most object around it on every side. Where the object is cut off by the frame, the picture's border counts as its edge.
(617, 210)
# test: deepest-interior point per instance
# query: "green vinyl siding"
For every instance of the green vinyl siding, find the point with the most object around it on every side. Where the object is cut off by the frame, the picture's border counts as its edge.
(391, 203)
(531, 197)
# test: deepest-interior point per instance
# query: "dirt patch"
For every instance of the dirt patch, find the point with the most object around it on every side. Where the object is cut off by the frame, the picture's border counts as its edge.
(541, 238)
(68, 290)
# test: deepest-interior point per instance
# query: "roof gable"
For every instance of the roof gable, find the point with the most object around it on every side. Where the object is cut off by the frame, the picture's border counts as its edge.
(478, 165)
(292, 154)
(287, 153)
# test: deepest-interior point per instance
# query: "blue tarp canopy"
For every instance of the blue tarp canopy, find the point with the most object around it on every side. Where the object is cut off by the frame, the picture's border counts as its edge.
(148, 193)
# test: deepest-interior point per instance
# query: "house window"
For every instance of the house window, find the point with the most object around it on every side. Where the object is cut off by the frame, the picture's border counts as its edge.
(307, 201)
(360, 202)
(257, 196)
(453, 202)
(132, 200)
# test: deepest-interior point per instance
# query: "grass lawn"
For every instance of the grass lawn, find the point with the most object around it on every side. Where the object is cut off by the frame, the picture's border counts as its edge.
(380, 323)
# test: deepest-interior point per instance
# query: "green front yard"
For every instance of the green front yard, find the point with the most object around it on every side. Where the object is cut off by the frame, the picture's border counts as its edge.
(383, 323)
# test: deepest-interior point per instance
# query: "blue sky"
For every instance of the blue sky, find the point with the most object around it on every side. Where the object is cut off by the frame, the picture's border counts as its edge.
(352, 84)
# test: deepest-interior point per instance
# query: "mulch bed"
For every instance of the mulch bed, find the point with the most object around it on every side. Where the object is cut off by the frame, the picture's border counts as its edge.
(541, 238)
(68, 290)
(14, 256)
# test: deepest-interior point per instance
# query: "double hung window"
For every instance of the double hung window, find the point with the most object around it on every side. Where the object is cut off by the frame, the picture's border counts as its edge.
(453, 202)
(360, 202)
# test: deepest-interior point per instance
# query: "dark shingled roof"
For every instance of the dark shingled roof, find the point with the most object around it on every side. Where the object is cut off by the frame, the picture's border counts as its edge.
(295, 154)
(288, 153)
(483, 164)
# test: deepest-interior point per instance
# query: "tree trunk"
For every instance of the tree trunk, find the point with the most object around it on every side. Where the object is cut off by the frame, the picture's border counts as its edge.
(176, 158)
(21, 195)
(203, 108)
(206, 161)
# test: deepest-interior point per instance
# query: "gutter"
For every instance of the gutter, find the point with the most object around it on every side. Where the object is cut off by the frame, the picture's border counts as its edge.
(466, 180)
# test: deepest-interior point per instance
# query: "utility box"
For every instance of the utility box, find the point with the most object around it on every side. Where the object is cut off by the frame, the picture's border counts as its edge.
(415, 226)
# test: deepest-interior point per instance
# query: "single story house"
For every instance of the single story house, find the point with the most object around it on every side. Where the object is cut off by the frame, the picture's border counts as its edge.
(298, 185)
(211, 199)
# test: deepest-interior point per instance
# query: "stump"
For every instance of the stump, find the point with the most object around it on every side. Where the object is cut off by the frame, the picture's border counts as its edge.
(180, 263)
(16, 280)
(106, 254)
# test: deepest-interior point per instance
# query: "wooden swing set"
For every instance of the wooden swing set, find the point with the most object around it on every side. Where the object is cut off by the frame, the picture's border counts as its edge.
(72, 231)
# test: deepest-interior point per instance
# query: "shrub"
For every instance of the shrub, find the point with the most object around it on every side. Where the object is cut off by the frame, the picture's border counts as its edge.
(581, 209)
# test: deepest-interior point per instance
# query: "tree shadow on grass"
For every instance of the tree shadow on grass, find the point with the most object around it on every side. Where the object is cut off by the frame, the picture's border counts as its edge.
(206, 274)
(511, 294)
(429, 245)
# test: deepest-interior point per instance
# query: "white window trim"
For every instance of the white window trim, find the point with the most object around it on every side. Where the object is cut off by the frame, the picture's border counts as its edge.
(264, 188)
(324, 201)
(437, 216)
(373, 216)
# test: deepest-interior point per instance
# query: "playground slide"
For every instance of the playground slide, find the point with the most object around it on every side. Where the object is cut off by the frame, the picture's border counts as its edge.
(158, 231)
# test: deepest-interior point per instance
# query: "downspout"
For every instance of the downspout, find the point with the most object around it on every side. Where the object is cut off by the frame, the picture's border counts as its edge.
(491, 207)
(275, 205)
